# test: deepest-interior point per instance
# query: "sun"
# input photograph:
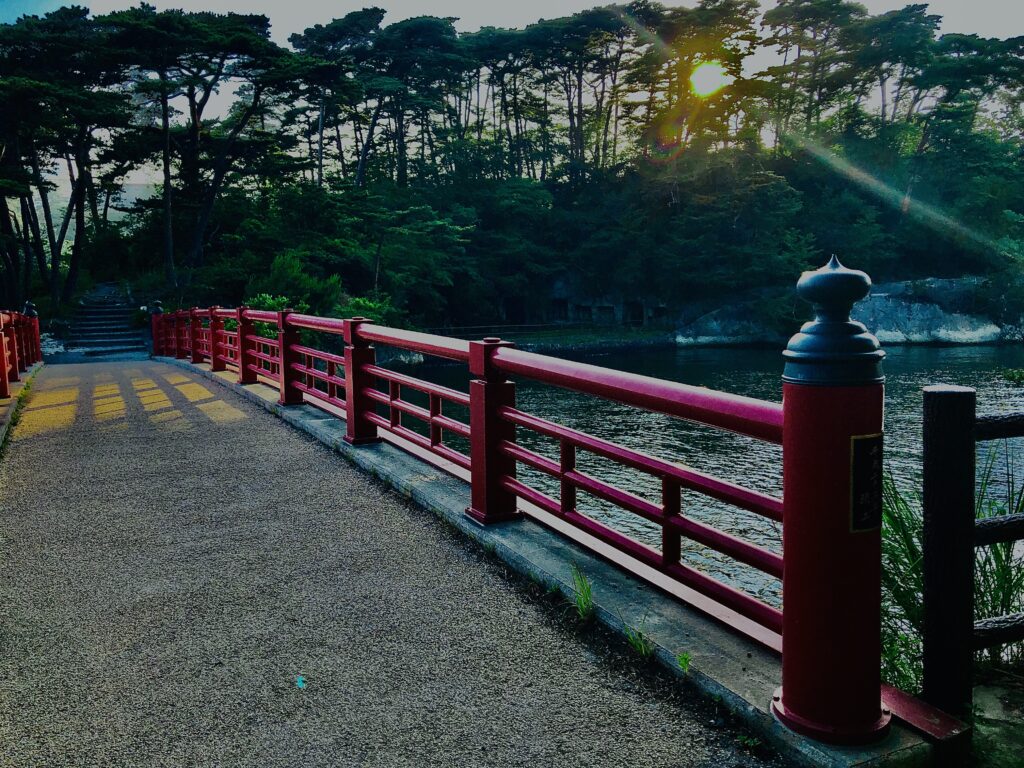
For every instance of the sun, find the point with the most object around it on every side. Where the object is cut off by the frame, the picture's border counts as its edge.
(709, 78)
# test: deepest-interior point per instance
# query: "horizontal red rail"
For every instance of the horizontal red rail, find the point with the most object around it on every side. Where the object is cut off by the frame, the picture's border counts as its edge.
(412, 341)
(745, 415)
(372, 399)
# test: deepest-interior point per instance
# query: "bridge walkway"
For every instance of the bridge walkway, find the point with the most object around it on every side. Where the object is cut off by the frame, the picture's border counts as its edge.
(173, 594)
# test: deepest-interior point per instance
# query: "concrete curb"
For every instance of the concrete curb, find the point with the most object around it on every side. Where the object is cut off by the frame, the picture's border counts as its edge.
(9, 406)
(724, 666)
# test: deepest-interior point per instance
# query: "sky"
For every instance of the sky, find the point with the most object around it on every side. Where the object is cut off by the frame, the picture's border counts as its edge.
(990, 18)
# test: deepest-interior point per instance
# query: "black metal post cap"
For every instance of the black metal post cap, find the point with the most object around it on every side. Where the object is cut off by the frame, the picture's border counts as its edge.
(30, 310)
(158, 307)
(832, 349)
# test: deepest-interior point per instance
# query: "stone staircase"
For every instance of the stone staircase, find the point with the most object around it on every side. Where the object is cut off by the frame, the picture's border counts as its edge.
(103, 324)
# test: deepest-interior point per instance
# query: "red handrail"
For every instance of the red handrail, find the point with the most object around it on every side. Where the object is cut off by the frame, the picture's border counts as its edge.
(371, 399)
(745, 415)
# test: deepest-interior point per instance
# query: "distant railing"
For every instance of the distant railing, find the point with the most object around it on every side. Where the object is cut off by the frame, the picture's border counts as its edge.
(952, 532)
(20, 346)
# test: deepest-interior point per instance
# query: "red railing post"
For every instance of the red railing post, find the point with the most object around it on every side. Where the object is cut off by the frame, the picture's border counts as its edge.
(246, 362)
(287, 337)
(216, 330)
(195, 327)
(358, 353)
(11, 334)
(24, 354)
(181, 332)
(5, 367)
(490, 502)
(33, 320)
(832, 518)
(156, 323)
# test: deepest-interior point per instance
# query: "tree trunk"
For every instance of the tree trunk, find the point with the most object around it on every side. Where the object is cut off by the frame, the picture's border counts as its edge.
(170, 272)
(364, 152)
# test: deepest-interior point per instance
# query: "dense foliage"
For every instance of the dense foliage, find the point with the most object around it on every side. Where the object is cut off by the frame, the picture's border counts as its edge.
(416, 173)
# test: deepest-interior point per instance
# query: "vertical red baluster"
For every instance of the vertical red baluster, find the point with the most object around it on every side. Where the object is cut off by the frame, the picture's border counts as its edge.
(567, 463)
(358, 353)
(156, 320)
(195, 335)
(672, 504)
(394, 393)
(287, 337)
(435, 411)
(490, 502)
(246, 362)
(181, 331)
(216, 339)
(10, 332)
(5, 358)
(22, 331)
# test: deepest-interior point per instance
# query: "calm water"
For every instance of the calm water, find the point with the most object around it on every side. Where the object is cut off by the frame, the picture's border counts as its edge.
(732, 457)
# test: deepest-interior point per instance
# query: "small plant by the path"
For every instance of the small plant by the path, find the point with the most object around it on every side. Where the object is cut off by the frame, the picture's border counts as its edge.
(749, 743)
(683, 660)
(638, 639)
(583, 597)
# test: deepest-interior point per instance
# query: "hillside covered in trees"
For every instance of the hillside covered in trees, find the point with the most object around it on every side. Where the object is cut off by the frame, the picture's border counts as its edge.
(431, 177)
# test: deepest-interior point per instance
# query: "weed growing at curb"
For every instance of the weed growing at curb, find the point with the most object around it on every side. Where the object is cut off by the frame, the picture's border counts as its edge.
(639, 640)
(749, 743)
(584, 594)
(683, 660)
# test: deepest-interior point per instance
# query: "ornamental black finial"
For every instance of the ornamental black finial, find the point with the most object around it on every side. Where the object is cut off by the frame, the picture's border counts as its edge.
(832, 349)
(30, 310)
(158, 307)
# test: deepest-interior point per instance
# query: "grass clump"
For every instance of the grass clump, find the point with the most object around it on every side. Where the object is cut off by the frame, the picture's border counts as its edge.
(683, 660)
(638, 639)
(583, 594)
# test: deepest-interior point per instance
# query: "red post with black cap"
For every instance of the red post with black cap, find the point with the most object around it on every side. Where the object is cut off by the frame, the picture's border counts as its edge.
(832, 516)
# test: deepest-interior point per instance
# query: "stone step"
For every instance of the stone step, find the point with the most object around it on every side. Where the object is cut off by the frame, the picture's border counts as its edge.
(105, 342)
(118, 335)
(115, 350)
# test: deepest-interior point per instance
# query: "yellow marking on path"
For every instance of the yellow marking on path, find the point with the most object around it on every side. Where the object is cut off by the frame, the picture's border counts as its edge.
(140, 384)
(171, 421)
(220, 412)
(41, 421)
(176, 378)
(57, 383)
(52, 397)
(107, 403)
(155, 401)
(194, 392)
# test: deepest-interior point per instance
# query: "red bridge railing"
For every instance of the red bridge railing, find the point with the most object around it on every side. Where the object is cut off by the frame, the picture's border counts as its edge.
(19, 347)
(829, 428)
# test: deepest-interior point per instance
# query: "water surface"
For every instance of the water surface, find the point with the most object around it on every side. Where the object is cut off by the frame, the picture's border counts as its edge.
(755, 373)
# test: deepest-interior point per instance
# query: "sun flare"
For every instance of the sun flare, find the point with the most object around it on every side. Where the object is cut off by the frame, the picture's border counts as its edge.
(709, 78)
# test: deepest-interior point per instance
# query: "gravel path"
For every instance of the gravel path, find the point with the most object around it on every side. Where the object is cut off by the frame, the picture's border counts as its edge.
(186, 581)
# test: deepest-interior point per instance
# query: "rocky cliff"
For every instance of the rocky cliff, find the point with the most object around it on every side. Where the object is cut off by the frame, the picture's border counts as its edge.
(919, 312)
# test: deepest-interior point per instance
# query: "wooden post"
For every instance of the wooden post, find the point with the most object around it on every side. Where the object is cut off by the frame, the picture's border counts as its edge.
(358, 353)
(287, 337)
(246, 362)
(490, 501)
(949, 487)
(216, 330)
